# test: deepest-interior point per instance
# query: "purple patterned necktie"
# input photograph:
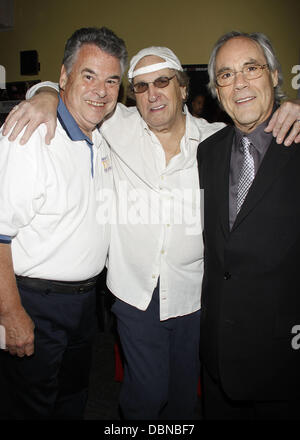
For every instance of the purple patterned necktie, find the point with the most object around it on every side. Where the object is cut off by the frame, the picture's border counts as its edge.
(246, 175)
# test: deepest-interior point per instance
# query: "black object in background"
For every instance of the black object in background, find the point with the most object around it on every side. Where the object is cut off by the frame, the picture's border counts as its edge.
(29, 62)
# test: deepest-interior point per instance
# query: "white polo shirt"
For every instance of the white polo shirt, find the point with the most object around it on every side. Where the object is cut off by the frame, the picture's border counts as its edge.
(50, 204)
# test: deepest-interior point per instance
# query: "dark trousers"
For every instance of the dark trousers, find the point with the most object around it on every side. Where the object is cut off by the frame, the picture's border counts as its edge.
(53, 382)
(217, 405)
(161, 367)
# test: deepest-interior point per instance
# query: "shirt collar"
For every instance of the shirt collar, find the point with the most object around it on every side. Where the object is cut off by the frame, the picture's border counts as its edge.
(187, 157)
(192, 130)
(258, 137)
(69, 124)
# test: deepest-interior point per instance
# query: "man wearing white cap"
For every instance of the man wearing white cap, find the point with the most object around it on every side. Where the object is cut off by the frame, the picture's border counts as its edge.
(155, 262)
(155, 267)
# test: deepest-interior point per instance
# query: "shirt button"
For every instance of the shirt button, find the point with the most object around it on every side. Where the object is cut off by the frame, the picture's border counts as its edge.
(162, 251)
(153, 276)
(227, 276)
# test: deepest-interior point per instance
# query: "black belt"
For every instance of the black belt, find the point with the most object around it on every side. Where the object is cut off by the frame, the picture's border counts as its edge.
(53, 286)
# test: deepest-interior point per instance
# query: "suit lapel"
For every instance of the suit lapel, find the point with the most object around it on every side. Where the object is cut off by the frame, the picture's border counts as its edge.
(222, 178)
(272, 165)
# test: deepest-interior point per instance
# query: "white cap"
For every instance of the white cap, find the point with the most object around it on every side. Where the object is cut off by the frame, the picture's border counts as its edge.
(171, 61)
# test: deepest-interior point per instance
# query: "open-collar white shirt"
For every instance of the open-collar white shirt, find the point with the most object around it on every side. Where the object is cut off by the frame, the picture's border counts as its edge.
(157, 230)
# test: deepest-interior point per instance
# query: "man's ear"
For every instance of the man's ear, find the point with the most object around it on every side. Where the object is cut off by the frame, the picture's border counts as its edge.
(63, 78)
(274, 76)
(183, 93)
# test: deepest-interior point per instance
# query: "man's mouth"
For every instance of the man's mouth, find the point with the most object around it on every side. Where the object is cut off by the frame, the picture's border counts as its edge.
(242, 100)
(95, 103)
(159, 107)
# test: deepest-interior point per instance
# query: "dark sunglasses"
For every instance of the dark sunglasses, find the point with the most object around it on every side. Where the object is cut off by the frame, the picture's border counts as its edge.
(161, 82)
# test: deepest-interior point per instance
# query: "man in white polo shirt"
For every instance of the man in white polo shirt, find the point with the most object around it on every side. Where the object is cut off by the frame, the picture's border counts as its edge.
(52, 243)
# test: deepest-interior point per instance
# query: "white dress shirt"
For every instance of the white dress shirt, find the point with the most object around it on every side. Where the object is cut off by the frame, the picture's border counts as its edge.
(161, 235)
(156, 230)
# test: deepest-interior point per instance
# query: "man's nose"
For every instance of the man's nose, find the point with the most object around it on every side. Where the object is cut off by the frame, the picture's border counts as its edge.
(101, 89)
(153, 92)
(240, 81)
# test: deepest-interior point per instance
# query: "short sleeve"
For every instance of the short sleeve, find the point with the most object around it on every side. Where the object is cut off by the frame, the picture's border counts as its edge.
(31, 92)
(21, 183)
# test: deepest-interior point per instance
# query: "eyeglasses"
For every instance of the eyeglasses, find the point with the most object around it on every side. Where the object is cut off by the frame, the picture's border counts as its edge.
(161, 82)
(251, 71)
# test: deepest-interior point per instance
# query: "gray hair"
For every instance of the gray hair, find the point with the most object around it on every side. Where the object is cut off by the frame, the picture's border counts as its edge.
(103, 38)
(268, 51)
(183, 79)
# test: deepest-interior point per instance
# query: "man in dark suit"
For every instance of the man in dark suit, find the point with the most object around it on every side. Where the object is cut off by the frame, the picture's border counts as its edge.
(250, 314)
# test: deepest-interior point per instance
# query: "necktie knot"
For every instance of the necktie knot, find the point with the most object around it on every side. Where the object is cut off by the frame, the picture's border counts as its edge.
(245, 144)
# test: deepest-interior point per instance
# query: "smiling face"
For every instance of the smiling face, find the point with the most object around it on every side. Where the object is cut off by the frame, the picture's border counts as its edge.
(91, 89)
(248, 102)
(161, 108)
